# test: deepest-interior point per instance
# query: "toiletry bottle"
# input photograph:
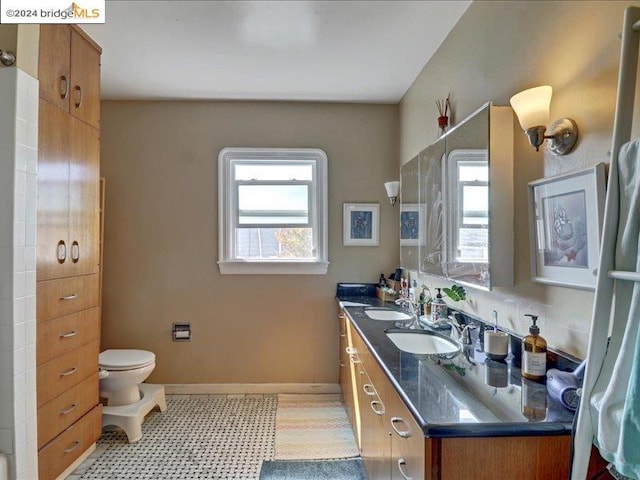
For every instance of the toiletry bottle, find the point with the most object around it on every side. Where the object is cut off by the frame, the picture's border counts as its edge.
(534, 352)
(382, 282)
(439, 308)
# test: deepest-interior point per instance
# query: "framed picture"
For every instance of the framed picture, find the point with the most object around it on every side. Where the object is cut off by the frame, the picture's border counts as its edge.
(360, 224)
(412, 224)
(565, 223)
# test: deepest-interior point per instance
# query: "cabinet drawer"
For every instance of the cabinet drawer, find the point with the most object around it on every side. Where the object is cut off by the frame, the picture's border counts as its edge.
(62, 335)
(61, 412)
(69, 445)
(62, 373)
(57, 298)
(407, 441)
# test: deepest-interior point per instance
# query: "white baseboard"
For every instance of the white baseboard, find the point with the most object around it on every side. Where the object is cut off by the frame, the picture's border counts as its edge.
(248, 388)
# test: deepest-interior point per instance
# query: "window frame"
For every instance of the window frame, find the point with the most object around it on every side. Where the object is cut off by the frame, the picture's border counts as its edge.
(228, 212)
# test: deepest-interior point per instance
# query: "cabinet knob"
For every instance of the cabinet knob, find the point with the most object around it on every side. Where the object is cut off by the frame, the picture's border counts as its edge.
(75, 251)
(380, 407)
(78, 101)
(70, 334)
(61, 251)
(401, 464)
(403, 433)
(73, 446)
(68, 410)
(68, 372)
(368, 389)
(64, 87)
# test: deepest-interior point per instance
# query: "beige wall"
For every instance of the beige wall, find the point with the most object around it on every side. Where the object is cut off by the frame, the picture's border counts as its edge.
(496, 50)
(23, 41)
(161, 243)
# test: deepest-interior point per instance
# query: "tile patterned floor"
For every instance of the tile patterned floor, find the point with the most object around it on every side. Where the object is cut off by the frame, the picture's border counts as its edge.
(198, 437)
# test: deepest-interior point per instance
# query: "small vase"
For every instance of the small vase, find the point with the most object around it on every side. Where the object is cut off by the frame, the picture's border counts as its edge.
(443, 123)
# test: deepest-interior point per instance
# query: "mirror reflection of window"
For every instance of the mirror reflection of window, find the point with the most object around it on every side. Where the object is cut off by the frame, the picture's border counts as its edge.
(472, 242)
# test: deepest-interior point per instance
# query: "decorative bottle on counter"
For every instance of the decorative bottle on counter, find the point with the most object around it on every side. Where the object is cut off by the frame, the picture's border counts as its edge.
(534, 352)
(439, 309)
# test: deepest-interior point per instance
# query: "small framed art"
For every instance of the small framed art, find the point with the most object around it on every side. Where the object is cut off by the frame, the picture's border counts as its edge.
(360, 224)
(412, 224)
(565, 225)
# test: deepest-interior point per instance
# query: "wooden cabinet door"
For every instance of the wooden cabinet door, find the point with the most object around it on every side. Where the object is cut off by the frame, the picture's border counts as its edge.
(54, 70)
(84, 199)
(85, 80)
(407, 442)
(53, 193)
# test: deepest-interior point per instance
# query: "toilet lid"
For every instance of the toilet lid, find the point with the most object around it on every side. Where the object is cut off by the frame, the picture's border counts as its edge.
(124, 359)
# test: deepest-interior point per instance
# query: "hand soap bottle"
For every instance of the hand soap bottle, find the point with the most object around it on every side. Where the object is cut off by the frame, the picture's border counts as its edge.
(534, 352)
(438, 308)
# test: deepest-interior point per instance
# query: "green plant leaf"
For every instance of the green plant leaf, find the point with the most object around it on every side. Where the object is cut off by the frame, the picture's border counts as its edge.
(455, 293)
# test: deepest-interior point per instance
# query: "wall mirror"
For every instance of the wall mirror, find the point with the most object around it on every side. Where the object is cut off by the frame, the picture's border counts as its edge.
(465, 201)
(432, 202)
(411, 225)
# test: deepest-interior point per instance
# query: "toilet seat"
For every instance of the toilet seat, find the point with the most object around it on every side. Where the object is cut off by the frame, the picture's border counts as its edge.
(125, 359)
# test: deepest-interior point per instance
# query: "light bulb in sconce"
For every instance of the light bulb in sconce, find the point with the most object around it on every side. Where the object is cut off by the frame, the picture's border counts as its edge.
(532, 109)
(392, 191)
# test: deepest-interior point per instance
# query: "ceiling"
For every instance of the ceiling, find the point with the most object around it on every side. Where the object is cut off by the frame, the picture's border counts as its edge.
(344, 51)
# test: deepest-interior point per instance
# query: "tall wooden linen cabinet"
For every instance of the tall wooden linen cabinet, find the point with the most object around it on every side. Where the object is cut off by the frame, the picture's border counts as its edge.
(67, 270)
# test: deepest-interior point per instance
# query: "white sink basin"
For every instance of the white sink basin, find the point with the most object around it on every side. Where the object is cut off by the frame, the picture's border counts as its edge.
(423, 343)
(388, 315)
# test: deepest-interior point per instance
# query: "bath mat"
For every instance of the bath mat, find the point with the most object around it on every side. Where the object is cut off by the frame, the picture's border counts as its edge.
(313, 427)
(313, 470)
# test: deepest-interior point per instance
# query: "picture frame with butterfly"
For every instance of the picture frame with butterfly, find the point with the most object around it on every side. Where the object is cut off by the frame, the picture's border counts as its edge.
(565, 225)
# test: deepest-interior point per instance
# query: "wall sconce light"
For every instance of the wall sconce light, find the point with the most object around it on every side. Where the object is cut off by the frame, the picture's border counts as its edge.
(532, 108)
(392, 191)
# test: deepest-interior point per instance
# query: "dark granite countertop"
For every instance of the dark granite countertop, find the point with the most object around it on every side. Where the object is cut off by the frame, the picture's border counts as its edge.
(466, 396)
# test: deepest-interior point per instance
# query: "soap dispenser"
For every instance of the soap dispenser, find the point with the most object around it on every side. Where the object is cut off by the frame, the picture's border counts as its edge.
(534, 352)
(438, 308)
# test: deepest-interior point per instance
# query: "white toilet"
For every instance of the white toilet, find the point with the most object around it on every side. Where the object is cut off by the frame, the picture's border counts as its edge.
(128, 400)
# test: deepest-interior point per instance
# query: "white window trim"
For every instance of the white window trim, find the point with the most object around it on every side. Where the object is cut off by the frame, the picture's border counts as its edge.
(229, 265)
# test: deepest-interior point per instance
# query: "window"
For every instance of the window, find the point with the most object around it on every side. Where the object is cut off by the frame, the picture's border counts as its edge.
(272, 211)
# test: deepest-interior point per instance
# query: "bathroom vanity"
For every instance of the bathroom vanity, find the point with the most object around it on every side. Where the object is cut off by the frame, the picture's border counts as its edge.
(445, 418)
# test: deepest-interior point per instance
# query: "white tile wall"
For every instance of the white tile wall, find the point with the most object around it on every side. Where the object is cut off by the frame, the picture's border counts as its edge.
(18, 200)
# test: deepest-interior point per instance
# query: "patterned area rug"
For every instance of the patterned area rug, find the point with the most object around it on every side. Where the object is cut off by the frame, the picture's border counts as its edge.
(313, 470)
(313, 427)
(198, 437)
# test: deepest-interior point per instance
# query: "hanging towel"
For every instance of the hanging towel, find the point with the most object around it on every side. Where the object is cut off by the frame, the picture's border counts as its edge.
(615, 399)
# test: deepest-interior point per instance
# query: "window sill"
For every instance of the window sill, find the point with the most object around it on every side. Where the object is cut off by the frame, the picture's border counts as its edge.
(273, 268)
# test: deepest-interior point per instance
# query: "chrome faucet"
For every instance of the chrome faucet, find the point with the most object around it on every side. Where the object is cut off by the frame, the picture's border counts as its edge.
(460, 333)
(411, 308)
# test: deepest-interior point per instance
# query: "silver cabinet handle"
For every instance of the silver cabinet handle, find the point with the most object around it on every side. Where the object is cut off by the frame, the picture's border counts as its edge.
(403, 433)
(342, 334)
(351, 350)
(70, 334)
(341, 364)
(64, 87)
(68, 372)
(354, 359)
(75, 251)
(401, 465)
(75, 445)
(368, 389)
(61, 251)
(377, 411)
(69, 409)
(69, 297)
(78, 96)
